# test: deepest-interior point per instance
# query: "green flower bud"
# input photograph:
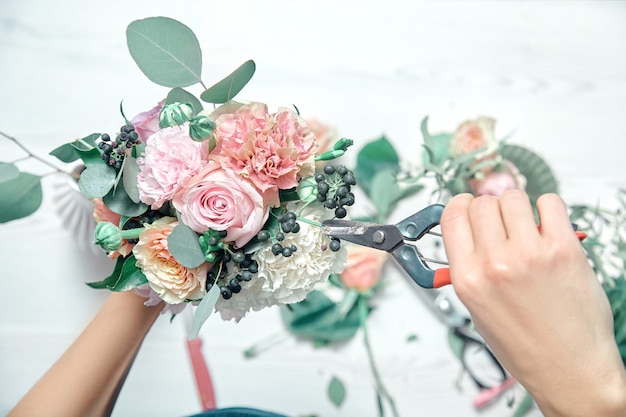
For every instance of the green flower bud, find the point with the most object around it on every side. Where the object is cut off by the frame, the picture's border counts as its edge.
(307, 189)
(201, 128)
(343, 144)
(330, 155)
(175, 114)
(108, 236)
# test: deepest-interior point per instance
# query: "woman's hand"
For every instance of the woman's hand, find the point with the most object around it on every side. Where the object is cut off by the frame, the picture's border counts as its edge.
(536, 301)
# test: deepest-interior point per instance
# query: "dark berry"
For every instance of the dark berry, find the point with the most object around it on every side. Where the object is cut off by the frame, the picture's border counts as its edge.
(277, 248)
(290, 215)
(342, 191)
(294, 248)
(123, 136)
(238, 257)
(330, 203)
(349, 179)
(227, 256)
(340, 212)
(226, 292)
(133, 136)
(105, 137)
(342, 170)
(118, 165)
(329, 169)
(334, 245)
(234, 286)
(321, 197)
(280, 236)
(212, 241)
(322, 187)
(254, 267)
(287, 227)
(209, 285)
(296, 228)
(105, 157)
(320, 177)
(286, 252)
(222, 233)
(246, 276)
(263, 235)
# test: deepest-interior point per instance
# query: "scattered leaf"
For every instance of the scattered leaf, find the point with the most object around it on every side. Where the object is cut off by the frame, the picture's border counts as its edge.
(204, 310)
(336, 391)
(229, 87)
(166, 51)
(374, 157)
(8, 171)
(20, 197)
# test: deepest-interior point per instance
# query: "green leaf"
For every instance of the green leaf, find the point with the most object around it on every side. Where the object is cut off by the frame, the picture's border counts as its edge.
(524, 406)
(184, 246)
(166, 51)
(8, 171)
(437, 146)
(539, 176)
(204, 310)
(336, 391)
(126, 276)
(457, 345)
(129, 178)
(67, 152)
(318, 318)
(178, 95)
(96, 180)
(387, 191)
(20, 197)
(376, 156)
(118, 201)
(229, 87)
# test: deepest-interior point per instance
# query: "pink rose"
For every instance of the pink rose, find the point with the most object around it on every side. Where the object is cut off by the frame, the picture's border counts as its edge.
(173, 282)
(498, 181)
(101, 213)
(170, 159)
(473, 135)
(273, 150)
(219, 199)
(147, 123)
(363, 268)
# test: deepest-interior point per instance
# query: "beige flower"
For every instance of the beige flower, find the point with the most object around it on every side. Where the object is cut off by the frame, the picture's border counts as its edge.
(473, 135)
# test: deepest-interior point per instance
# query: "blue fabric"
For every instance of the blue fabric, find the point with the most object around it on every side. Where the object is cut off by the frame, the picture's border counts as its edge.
(237, 412)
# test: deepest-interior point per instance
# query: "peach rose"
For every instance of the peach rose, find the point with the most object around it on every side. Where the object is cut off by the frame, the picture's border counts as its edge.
(473, 135)
(363, 268)
(219, 199)
(498, 181)
(173, 282)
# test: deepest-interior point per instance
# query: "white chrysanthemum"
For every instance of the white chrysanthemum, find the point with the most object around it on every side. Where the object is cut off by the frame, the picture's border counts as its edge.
(285, 280)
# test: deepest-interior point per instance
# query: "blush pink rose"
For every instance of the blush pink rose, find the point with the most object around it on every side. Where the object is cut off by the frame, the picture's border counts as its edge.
(363, 267)
(170, 159)
(273, 150)
(473, 135)
(219, 199)
(147, 123)
(498, 181)
(101, 213)
(173, 282)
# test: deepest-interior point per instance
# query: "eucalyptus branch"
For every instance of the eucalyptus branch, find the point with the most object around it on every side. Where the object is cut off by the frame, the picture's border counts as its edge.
(380, 387)
(32, 155)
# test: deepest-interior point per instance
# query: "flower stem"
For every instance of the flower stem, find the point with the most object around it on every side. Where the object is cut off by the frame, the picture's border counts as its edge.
(132, 233)
(380, 387)
(311, 222)
(31, 155)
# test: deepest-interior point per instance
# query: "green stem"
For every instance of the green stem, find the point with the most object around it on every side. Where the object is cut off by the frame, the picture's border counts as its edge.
(32, 155)
(380, 387)
(311, 222)
(132, 233)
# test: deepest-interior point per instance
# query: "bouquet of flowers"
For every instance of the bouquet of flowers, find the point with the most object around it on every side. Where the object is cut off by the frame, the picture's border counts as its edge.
(220, 207)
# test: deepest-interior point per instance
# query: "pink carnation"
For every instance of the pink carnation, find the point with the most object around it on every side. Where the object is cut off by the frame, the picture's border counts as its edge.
(219, 199)
(273, 150)
(147, 123)
(170, 159)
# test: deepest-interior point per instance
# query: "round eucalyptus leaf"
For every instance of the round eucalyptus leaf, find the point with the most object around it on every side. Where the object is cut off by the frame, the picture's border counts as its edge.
(227, 88)
(8, 171)
(96, 180)
(539, 176)
(118, 201)
(165, 50)
(184, 245)
(20, 197)
(179, 95)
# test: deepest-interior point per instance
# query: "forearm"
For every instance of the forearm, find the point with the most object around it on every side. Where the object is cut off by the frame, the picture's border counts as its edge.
(86, 379)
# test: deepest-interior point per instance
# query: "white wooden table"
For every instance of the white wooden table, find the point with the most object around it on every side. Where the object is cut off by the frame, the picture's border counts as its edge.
(555, 72)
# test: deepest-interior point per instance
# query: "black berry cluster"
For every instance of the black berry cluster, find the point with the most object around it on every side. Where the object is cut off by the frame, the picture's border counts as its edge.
(230, 271)
(334, 188)
(288, 224)
(114, 151)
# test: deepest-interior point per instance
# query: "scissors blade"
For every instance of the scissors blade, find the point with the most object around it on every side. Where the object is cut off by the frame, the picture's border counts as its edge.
(382, 237)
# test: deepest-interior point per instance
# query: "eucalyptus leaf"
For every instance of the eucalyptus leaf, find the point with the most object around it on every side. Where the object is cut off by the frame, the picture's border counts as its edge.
(20, 197)
(179, 95)
(387, 191)
(204, 310)
(67, 152)
(129, 178)
(126, 276)
(457, 344)
(438, 145)
(110, 280)
(524, 406)
(540, 177)
(336, 391)
(91, 157)
(8, 171)
(96, 180)
(166, 51)
(184, 245)
(374, 157)
(118, 201)
(227, 88)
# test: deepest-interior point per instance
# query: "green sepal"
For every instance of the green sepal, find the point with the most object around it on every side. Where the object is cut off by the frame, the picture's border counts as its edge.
(227, 88)
(184, 245)
(166, 51)
(118, 201)
(20, 197)
(126, 276)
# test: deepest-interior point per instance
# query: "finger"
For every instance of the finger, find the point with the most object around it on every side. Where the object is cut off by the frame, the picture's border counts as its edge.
(553, 216)
(517, 215)
(487, 225)
(456, 229)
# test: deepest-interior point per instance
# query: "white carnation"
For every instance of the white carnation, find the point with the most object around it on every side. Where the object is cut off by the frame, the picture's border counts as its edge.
(285, 280)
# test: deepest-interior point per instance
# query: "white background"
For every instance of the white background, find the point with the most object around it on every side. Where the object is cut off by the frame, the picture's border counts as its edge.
(553, 72)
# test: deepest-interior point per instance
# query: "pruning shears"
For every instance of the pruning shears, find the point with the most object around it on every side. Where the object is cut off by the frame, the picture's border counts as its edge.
(395, 239)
